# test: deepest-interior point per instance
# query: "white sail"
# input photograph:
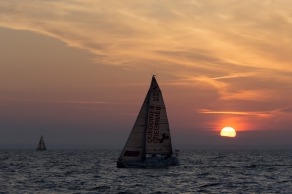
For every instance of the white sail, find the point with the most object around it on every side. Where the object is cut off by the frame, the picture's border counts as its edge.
(41, 144)
(134, 149)
(150, 135)
(158, 139)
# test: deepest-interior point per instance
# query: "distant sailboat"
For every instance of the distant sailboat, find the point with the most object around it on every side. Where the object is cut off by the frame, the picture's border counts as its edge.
(149, 143)
(41, 145)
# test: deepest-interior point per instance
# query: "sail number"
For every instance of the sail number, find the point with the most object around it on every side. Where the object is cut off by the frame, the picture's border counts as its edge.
(153, 124)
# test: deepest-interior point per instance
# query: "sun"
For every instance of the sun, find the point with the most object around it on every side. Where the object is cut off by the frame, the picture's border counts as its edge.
(228, 132)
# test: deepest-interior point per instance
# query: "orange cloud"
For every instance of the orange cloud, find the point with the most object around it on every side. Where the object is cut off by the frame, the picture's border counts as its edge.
(252, 113)
(212, 35)
(238, 49)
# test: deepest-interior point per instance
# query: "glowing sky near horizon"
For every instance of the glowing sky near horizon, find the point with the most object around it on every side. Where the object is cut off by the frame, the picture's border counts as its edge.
(83, 67)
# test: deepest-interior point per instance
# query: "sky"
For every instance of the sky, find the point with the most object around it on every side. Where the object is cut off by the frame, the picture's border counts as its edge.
(77, 71)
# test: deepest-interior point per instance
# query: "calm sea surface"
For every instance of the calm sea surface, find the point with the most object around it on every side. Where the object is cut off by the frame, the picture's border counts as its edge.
(94, 171)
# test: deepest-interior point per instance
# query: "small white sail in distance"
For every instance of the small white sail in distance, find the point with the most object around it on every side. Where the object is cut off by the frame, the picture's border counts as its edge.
(41, 145)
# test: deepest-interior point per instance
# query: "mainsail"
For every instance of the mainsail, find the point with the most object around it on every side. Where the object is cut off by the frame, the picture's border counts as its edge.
(150, 134)
(158, 139)
(41, 144)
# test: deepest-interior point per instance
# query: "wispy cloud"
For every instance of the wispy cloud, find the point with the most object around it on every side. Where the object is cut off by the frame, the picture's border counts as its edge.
(262, 114)
(287, 109)
(131, 31)
(236, 75)
(78, 102)
(256, 114)
(239, 49)
(53, 101)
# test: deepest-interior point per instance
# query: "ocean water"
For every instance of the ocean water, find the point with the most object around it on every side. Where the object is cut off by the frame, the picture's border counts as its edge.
(94, 171)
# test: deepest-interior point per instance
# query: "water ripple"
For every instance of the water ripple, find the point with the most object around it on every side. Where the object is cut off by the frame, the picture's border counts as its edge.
(94, 171)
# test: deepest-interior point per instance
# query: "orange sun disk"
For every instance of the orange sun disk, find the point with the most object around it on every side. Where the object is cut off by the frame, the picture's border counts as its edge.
(228, 132)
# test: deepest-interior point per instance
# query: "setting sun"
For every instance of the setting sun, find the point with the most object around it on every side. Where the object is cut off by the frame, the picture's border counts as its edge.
(228, 132)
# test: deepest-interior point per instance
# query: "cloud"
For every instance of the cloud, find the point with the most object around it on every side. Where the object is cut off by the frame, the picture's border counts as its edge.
(240, 49)
(255, 114)
(6, 98)
(262, 114)
(287, 109)
(232, 32)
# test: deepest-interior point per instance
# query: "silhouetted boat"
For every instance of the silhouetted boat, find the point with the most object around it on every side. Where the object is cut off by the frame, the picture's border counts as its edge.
(149, 143)
(41, 145)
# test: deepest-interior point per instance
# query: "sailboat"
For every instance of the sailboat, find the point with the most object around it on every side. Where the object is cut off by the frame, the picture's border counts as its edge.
(149, 143)
(41, 145)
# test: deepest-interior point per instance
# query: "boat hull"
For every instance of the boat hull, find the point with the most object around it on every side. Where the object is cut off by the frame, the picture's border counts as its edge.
(149, 163)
